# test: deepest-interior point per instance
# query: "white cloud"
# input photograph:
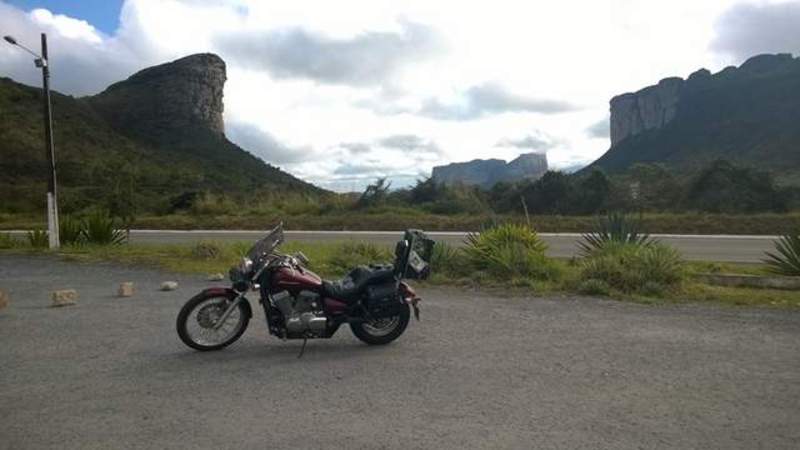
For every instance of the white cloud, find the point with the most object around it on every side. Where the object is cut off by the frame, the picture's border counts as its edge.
(308, 79)
(746, 30)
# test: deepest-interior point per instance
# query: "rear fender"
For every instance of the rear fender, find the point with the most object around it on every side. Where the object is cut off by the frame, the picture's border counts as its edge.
(230, 294)
(410, 297)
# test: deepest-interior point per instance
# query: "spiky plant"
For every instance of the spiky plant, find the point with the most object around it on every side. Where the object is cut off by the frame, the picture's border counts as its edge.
(101, 228)
(787, 259)
(38, 238)
(509, 249)
(617, 228)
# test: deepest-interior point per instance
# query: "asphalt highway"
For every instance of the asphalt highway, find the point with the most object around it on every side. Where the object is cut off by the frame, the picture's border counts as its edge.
(723, 248)
(481, 370)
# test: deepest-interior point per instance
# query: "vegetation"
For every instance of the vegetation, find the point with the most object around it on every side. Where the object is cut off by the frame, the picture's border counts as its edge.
(509, 251)
(7, 241)
(616, 228)
(649, 270)
(102, 229)
(787, 259)
(38, 238)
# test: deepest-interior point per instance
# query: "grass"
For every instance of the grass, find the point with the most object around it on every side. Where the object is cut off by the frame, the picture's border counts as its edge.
(328, 261)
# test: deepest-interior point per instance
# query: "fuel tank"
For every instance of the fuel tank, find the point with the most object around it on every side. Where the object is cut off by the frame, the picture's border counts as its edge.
(288, 279)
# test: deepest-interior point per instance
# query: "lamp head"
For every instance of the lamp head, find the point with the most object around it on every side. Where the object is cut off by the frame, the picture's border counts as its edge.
(10, 40)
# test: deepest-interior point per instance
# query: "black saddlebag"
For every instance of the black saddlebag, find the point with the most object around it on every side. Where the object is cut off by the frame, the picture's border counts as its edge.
(382, 300)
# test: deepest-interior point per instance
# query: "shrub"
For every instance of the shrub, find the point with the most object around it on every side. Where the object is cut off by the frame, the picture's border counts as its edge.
(101, 228)
(38, 238)
(213, 205)
(354, 253)
(206, 250)
(7, 241)
(446, 259)
(70, 230)
(508, 251)
(617, 228)
(594, 286)
(630, 268)
(787, 259)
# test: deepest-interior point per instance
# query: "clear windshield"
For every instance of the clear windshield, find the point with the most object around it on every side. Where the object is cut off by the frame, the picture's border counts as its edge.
(267, 244)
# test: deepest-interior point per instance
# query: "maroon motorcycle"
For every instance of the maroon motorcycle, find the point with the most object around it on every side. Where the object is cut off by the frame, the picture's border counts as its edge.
(373, 300)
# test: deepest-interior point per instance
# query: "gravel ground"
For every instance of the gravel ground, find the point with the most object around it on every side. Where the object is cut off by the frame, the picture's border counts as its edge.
(479, 371)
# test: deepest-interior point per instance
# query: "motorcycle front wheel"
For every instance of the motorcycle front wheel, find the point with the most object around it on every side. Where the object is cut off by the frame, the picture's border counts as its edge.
(382, 331)
(198, 320)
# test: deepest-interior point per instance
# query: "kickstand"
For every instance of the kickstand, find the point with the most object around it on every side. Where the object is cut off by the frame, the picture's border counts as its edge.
(302, 349)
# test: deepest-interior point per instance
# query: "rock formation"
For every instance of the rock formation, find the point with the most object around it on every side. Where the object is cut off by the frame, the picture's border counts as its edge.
(655, 106)
(181, 95)
(487, 172)
(746, 115)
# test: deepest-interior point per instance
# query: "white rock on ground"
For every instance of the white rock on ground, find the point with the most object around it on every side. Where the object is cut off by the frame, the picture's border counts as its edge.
(4, 300)
(216, 277)
(125, 289)
(64, 297)
(169, 285)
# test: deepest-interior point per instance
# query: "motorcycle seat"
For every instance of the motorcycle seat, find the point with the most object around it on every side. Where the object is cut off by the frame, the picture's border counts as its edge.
(354, 283)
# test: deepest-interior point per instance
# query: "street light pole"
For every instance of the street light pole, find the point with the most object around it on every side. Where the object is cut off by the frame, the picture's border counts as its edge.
(52, 196)
(42, 62)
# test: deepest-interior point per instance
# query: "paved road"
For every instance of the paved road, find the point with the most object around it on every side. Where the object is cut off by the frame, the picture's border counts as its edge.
(479, 371)
(742, 249)
(723, 248)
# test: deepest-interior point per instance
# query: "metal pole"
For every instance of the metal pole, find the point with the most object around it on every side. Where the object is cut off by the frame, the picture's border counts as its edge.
(52, 195)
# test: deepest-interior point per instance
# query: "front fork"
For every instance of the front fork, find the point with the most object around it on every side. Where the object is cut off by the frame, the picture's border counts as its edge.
(231, 307)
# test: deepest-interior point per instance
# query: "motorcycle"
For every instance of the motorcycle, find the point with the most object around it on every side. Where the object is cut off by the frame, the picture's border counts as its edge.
(374, 300)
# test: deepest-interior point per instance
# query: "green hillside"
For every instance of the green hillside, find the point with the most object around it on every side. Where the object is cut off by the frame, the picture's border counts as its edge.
(99, 165)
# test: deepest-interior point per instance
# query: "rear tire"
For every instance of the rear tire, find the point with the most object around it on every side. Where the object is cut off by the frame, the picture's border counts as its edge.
(375, 334)
(186, 315)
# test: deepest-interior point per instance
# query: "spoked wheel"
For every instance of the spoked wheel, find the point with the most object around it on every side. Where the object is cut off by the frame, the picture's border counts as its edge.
(199, 324)
(384, 330)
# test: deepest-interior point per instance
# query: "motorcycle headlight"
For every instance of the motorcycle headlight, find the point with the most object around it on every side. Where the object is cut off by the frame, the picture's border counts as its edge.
(246, 266)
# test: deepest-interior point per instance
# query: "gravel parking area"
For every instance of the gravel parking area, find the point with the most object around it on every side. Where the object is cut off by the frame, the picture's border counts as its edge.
(479, 371)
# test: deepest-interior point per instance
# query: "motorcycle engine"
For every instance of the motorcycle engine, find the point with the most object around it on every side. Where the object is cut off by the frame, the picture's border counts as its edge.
(302, 312)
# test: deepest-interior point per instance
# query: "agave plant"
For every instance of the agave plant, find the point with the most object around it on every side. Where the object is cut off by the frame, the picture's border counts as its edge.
(38, 238)
(101, 228)
(615, 227)
(508, 249)
(787, 259)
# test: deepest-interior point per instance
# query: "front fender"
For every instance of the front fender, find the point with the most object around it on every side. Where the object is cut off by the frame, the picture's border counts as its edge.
(231, 295)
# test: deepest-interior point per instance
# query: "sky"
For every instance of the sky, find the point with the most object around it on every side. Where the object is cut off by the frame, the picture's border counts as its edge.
(339, 93)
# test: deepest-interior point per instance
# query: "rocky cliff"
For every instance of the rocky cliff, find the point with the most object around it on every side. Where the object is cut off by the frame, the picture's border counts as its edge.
(487, 172)
(747, 114)
(181, 95)
(655, 106)
(649, 108)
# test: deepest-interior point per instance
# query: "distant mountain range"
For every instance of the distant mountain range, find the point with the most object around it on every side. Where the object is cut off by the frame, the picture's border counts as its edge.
(748, 115)
(157, 135)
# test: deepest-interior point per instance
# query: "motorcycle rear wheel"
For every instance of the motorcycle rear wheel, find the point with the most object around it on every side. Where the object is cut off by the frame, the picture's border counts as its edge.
(382, 331)
(196, 319)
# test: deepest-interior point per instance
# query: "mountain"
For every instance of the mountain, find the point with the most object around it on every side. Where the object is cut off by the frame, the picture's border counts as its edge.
(747, 115)
(153, 137)
(487, 172)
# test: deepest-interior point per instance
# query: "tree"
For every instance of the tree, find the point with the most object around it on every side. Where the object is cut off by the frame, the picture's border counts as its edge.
(374, 194)
(551, 194)
(724, 188)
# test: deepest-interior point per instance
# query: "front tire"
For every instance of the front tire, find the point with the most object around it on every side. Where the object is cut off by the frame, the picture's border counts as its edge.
(195, 322)
(382, 331)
